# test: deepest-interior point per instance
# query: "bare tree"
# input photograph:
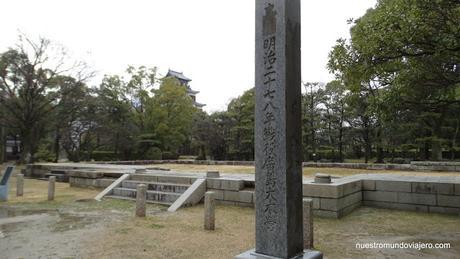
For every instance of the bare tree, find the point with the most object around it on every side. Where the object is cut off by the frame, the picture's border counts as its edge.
(29, 89)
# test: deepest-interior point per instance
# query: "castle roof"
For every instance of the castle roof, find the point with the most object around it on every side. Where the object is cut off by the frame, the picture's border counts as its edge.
(178, 75)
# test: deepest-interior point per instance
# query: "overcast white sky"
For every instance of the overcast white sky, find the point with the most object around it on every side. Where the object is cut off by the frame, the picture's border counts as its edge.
(211, 41)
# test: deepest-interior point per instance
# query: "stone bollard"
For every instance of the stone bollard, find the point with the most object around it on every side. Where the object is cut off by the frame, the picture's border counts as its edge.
(141, 197)
(322, 178)
(51, 187)
(209, 211)
(307, 223)
(212, 174)
(19, 185)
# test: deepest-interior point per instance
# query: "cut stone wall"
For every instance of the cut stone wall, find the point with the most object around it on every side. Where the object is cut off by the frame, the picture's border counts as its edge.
(413, 166)
(427, 194)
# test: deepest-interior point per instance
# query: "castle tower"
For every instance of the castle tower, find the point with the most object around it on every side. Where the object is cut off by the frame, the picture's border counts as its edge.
(185, 82)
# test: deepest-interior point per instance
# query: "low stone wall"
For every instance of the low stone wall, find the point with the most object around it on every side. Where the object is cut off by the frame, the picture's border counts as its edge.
(83, 182)
(231, 191)
(336, 199)
(413, 166)
(440, 194)
(427, 194)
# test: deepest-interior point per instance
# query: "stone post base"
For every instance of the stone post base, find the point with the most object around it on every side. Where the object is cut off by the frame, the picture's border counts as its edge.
(307, 254)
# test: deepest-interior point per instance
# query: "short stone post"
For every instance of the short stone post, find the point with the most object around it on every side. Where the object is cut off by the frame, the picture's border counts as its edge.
(19, 185)
(307, 223)
(141, 197)
(209, 211)
(51, 187)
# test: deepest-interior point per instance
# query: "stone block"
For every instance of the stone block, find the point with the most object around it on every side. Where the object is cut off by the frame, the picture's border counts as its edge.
(352, 187)
(339, 204)
(449, 201)
(417, 198)
(103, 183)
(213, 184)
(175, 179)
(396, 206)
(368, 185)
(326, 214)
(457, 189)
(240, 196)
(444, 210)
(393, 186)
(441, 188)
(380, 196)
(351, 199)
(322, 190)
(235, 203)
(232, 184)
(218, 194)
(329, 204)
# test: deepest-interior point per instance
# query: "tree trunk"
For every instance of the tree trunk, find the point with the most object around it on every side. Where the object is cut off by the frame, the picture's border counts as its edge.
(436, 150)
(2, 145)
(454, 139)
(57, 150)
(380, 152)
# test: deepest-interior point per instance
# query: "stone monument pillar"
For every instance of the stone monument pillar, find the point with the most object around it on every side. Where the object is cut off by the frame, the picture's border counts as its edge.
(278, 159)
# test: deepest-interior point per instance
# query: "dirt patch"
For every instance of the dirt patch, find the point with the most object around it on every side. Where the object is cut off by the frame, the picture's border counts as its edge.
(50, 234)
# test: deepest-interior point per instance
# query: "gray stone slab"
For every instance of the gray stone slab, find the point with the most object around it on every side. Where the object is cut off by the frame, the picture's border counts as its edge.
(352, 187)
(449, 201)
(441, 188)
(240, 196)
(417, 198)
(213, 184)
(457, 189)
(393, 186)
(322, 190)
(218, 194)
(278, 156)
(380, 196)
(231, 184)
(396, 206)
(368, 185)
(338, 204)
(235, 203)
(326, 214)
(444, 210)
(193, 195)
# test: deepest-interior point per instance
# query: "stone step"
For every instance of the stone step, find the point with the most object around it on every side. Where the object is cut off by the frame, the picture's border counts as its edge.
(134, 199)
(176, 179)
(157, 186)
(151, 195)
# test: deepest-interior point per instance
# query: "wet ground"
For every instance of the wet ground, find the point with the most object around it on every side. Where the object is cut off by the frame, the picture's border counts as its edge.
(49, 233)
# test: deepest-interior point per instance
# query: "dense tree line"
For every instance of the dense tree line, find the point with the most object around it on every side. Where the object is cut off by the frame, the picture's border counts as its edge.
(396, 97)
(47, 104)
